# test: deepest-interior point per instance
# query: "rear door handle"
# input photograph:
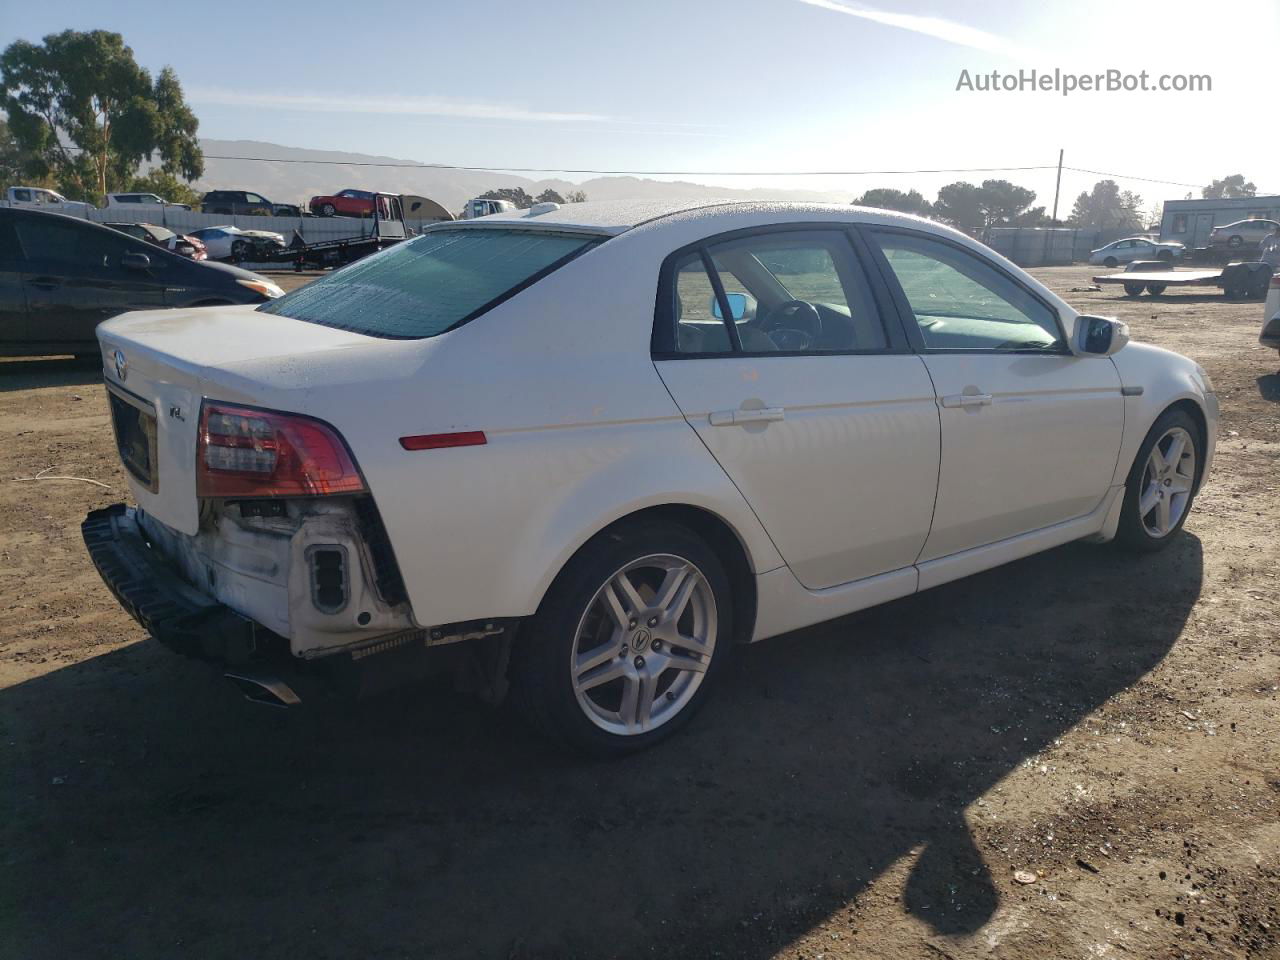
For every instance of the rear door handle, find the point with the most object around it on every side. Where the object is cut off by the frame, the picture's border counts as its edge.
(733, 418)
(967, 400)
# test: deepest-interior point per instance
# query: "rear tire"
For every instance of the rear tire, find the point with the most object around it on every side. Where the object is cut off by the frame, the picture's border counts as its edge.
(1162, 483)
(327, 210)
(1133, 289)
(597, 667)
(1111, 262)
(239, 251)
(1155, 289)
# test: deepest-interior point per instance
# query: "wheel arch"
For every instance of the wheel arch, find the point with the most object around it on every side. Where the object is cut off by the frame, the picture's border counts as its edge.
(1164, 381)
(728, 545)
(1193, 408)
(718, 533)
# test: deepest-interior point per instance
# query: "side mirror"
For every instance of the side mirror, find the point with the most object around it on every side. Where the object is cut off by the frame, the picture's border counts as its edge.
(135, 261)
(1098, 336)
(743, 306)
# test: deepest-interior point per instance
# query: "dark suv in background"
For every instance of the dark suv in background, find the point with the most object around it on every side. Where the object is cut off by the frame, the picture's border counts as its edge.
(61, 276)
(245, 201)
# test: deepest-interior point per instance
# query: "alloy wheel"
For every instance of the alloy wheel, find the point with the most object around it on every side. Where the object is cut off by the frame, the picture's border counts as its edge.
(1167, 482)
(643, 645)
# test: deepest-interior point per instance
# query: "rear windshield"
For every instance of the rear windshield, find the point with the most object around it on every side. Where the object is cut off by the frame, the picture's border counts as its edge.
(432, 283)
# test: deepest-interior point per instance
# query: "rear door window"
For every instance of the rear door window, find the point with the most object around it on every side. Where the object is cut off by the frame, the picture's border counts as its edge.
(699, 325)
(788, 291)
(432, 283)
(53, 240)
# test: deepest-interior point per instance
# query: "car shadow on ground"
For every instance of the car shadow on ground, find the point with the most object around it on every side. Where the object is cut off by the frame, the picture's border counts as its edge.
(151, 812)
(1269, 387)
(37, 372)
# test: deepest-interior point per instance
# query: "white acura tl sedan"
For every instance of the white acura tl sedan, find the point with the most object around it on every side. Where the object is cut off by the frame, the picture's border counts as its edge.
(583, 452)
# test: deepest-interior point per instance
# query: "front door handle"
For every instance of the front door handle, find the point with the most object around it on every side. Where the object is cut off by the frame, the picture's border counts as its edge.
(734, 418)
(967, 400)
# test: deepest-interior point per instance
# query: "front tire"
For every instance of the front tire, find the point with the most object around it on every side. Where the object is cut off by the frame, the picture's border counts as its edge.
(1162, 483)
(327, 210)
(627, 642)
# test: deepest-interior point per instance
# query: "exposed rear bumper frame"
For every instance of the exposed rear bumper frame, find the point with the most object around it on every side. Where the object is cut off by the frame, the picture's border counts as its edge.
(177, 614)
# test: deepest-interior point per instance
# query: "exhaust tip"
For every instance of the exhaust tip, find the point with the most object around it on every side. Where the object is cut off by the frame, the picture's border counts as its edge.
(268, 690)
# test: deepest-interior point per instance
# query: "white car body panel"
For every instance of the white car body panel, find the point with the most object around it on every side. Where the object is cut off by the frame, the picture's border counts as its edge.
(582, 430)
(1165, 378)
(855, 428)
(1270, 336)
(1043, 451)
(934, 573)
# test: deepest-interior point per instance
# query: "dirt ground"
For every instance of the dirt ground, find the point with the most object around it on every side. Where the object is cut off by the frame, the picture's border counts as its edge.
(866, 788)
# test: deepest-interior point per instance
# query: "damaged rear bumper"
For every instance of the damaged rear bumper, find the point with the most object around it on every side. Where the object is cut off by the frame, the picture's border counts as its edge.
(191, 622)
(181, 617)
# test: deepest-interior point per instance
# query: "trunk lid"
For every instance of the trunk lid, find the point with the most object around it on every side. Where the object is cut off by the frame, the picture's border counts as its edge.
(158, 366)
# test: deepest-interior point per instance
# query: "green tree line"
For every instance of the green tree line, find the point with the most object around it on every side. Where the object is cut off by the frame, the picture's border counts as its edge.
(83, 117)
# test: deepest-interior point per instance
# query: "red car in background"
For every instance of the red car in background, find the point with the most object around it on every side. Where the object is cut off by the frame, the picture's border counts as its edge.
(344, 203)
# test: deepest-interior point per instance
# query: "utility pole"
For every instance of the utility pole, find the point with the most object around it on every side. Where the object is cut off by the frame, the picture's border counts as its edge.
(1057, 186)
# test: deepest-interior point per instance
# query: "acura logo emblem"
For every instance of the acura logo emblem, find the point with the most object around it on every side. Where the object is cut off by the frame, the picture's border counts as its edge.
(122, 366)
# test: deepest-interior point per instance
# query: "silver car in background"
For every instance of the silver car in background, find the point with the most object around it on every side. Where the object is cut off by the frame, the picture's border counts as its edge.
(1135, 248)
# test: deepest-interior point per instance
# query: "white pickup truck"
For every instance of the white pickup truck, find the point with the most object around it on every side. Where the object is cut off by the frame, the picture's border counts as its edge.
(44, 199)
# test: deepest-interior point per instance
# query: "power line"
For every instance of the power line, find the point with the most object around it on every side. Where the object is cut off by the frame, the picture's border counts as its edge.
(702, 173)
(696, 173)
(1128, 176)
(640, 173)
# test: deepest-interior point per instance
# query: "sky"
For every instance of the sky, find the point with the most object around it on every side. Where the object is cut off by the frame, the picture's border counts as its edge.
(708, 87)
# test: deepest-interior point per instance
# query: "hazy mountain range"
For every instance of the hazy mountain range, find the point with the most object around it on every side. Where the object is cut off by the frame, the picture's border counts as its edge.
(294, 182)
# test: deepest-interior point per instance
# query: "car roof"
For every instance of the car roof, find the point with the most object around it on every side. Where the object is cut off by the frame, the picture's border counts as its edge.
(84, 225)
(612, 217)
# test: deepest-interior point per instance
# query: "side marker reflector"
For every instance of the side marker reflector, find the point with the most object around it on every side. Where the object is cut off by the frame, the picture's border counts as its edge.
(434, 441)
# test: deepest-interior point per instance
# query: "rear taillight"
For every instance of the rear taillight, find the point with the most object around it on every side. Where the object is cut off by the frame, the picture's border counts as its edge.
(243, 452)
